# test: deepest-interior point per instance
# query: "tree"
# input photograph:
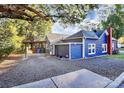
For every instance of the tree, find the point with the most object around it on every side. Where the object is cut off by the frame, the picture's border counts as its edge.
(116, 21)
(6, 46)
(21, 22)
(17, 11)
(66, 13)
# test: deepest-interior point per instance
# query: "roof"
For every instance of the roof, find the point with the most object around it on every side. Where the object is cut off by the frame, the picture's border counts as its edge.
(86, 34)
(99, 33)
(54, 37)
(35, 39)
(29, 41)
(114, 39)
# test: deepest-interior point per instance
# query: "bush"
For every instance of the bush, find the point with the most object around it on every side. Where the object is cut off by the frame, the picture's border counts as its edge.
(19, 51)
(6, 51)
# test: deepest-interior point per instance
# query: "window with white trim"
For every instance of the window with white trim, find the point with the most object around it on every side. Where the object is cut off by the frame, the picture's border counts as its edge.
(112, 46)
(91, 49)
(104, 48)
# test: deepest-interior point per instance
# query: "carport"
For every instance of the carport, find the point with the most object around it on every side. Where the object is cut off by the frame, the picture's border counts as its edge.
(69, 50)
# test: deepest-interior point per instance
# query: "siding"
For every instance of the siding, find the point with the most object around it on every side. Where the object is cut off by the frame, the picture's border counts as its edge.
(98, 43)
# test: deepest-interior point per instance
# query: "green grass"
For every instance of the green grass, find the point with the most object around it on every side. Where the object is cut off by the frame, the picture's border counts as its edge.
(118, 56)
(121, 49)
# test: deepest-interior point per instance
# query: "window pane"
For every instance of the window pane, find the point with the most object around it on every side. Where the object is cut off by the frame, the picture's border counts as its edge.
(93, 50)
(89, 51)
(89, 46)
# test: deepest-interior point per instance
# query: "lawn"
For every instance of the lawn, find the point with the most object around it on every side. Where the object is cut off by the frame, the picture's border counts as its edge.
(119, 56)
(121, 49)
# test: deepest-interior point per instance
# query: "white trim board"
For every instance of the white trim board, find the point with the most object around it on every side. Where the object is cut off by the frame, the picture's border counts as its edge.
(91, 44)
(83, 46)
(103, 34)
(105, 44)
(81, 37)
(68, 43)
(69, 51)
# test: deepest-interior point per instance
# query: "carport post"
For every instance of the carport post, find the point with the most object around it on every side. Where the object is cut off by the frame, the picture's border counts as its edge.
(25, 51)
(69, 51)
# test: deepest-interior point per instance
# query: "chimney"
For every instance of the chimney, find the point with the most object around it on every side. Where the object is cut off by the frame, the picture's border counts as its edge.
(109, 40)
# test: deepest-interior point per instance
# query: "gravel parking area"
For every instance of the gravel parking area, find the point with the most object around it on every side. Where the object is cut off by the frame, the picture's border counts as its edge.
(107, 67)
(39, 67)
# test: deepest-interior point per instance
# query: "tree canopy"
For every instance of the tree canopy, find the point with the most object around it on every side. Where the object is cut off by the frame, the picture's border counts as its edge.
(116, 21)
(67, 13)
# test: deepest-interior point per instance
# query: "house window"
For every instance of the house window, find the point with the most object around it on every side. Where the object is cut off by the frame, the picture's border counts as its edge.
(91, 49)
(104, 48)
(112, 46)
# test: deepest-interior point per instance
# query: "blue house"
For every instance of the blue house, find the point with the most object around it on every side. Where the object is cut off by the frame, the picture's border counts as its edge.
(85, 44)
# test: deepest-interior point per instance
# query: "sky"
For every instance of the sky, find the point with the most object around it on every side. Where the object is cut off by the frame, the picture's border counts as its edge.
(94, 16)
(57, 28)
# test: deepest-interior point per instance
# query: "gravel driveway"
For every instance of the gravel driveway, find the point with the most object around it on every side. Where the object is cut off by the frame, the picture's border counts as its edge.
(40, 67)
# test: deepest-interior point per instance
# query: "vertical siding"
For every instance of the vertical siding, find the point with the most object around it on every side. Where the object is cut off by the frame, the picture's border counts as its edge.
(98, 43)
(76, 51)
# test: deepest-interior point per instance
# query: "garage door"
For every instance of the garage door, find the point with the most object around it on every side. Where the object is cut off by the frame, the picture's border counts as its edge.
(61, 50)
(76, 51)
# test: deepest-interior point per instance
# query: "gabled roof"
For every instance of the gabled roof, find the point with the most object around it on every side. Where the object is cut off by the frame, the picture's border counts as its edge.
(99, 33)
(81, 33)
(114, 39)
(54, 37)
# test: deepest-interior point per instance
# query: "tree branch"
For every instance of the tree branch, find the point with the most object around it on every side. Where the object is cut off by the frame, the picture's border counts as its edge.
(13, 16)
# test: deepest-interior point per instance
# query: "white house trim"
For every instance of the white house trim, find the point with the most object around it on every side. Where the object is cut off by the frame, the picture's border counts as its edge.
(105, 44)
(69, 51)
(92, 48)
(68, 43)
(83, 50)
(103, 34)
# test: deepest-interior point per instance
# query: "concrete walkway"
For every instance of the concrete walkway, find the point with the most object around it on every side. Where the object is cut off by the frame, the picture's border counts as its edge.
(77, 79)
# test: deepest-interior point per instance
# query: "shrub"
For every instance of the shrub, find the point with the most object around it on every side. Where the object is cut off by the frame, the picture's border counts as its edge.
(6, 51)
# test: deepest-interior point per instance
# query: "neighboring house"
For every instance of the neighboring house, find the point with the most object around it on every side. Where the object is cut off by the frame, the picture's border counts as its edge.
(85, 44)
(51, 39)
(44, 45)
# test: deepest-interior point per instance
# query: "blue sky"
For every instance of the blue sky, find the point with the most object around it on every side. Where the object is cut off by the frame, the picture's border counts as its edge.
(57, 28)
